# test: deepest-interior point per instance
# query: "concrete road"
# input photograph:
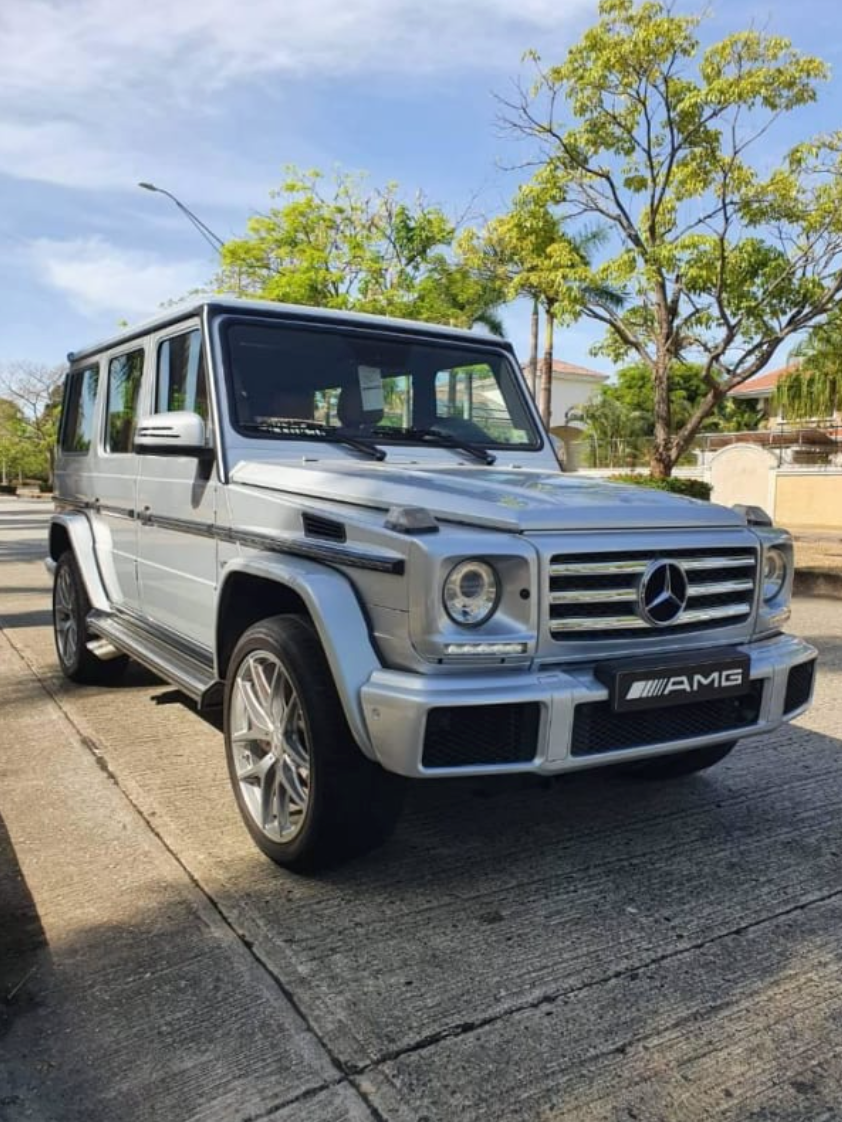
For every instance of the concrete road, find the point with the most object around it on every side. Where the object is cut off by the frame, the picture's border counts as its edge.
(588, 949)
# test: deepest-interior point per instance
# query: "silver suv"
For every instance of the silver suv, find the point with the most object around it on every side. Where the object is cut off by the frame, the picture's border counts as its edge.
(353, 533)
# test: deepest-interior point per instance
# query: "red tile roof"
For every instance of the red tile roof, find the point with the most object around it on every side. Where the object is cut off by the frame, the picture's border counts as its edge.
(563, 368)
(764, 383)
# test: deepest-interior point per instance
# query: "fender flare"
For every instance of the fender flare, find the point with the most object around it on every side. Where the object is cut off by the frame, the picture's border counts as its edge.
(328, 595)
(81, 538)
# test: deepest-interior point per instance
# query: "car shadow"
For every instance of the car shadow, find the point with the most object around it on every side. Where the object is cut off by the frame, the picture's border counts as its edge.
(23, 944)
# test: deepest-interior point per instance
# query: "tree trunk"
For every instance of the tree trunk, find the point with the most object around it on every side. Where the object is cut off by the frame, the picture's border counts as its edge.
(532, 369)
(661, 460)
(547, 370)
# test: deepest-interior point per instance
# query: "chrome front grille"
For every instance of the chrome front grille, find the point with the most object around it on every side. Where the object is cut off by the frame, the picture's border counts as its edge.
(598, 596)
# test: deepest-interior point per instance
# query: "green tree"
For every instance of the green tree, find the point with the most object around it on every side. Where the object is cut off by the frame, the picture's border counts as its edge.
(645, 132)
(526, 252)
(346, 246)
(9, 440)
(622, 415)
(813, 388)
(29, 418)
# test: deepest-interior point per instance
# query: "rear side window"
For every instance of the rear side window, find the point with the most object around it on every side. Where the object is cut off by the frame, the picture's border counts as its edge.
(77, 425)
(181, 375)
(124, 376)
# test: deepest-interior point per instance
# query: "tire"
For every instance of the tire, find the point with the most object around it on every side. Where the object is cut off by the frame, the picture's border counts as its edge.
(70, 611)
(307, 795)
(678, 764)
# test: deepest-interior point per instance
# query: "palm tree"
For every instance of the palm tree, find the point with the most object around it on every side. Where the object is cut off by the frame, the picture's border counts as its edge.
(813, 388)
(575, 253)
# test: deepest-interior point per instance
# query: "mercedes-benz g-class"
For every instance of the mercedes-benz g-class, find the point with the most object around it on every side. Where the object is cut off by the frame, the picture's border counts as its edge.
(353, 533)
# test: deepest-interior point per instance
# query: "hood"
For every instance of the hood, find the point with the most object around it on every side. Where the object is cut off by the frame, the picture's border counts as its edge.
(513, 499)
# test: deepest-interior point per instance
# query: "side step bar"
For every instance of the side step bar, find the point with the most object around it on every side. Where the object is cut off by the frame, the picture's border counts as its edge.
(187, 673)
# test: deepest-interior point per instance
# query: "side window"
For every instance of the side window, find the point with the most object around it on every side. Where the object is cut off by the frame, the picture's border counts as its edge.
(181, 380)
(77, 424)
(124, 376)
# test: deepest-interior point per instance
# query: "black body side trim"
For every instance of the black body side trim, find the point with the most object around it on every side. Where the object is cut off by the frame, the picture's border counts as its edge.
(331, 553)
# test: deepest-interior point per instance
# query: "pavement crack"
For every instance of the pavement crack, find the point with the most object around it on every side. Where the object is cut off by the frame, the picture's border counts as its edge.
(464, 1028)
(343, 1073)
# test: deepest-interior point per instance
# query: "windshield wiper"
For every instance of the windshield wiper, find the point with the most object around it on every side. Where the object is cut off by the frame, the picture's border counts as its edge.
(293, 427)
(435, 436)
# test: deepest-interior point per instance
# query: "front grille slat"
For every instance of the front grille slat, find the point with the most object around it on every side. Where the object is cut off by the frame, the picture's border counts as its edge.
(596, 568)
(722, 587)
(592, 598)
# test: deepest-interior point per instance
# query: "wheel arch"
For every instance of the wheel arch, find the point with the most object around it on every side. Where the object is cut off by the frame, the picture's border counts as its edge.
(258, 587)
(73, 532)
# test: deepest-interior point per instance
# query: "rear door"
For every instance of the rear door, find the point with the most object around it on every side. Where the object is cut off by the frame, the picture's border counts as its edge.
(115, 477)
(177, 498)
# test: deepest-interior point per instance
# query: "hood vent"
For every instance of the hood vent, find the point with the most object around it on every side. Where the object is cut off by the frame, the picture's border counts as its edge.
(316, 526)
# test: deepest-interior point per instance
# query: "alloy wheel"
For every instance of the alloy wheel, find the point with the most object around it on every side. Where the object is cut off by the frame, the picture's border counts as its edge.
(65, 617)
(270, 746)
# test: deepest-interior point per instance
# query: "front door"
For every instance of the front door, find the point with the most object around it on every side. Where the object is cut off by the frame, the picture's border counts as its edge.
(177, 503)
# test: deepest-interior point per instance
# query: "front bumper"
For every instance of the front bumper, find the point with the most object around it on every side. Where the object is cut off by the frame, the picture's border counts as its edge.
(396, 706)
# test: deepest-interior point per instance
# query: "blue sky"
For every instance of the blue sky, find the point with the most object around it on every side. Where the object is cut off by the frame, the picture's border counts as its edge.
(211, 98)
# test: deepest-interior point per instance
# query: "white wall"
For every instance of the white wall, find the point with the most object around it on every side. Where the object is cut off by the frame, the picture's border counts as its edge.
(570, 392)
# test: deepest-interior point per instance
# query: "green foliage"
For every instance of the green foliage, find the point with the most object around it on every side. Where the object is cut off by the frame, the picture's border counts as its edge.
(812, 390)
(348, 247)
(690, 488)
(620, 419)
(645, 132)
(526, 252)
(29, 415)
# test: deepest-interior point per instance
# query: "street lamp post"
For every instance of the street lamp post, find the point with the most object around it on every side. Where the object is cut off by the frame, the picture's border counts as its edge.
(213, 240)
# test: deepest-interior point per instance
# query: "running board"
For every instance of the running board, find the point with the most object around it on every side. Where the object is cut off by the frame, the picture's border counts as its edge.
(186, 673)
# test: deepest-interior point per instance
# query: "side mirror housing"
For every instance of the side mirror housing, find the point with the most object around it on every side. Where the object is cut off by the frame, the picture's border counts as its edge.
(172, 434)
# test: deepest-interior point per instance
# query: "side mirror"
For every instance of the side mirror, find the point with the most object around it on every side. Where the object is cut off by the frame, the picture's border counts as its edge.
(171, 434)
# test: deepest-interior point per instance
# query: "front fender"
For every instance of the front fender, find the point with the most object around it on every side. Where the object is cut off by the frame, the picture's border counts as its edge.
(75, 530)
(339, 621)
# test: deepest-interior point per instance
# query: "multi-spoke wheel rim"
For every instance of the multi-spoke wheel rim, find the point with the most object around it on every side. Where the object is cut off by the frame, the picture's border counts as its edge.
(270, 746)
(67, 629)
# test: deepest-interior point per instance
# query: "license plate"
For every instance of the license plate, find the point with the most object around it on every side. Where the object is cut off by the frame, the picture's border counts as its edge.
(661, 683)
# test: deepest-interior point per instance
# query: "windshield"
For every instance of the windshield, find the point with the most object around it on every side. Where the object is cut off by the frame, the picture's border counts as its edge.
(296, 382)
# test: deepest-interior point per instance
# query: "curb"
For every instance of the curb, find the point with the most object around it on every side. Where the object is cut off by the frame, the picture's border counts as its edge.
(818, 582)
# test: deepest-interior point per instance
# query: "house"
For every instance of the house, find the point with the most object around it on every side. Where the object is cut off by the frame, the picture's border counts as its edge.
(760, 390)
(573, 387)
(808, 442)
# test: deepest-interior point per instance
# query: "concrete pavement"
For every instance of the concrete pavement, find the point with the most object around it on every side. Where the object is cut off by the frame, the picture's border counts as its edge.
(588, 949)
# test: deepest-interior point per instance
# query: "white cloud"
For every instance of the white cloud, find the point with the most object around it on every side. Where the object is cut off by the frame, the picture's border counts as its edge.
(98, 277)
(90, 88)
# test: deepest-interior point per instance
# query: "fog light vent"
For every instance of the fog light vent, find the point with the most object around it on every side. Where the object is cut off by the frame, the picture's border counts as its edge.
(473, 735)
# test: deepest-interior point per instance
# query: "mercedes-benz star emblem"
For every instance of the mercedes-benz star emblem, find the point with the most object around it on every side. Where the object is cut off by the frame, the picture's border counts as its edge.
(663, 593)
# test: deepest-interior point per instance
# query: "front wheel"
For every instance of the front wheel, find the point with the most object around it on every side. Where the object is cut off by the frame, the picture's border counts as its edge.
(307, 794)
(678, 764)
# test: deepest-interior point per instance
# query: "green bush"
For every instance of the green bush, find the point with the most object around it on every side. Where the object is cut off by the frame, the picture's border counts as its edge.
(691, 488)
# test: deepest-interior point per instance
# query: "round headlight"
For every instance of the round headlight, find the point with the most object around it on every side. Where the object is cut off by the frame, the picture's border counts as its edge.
(470, 593)
(774, 573)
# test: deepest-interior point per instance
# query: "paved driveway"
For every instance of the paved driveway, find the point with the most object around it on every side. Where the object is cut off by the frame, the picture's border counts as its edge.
(586, 949)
